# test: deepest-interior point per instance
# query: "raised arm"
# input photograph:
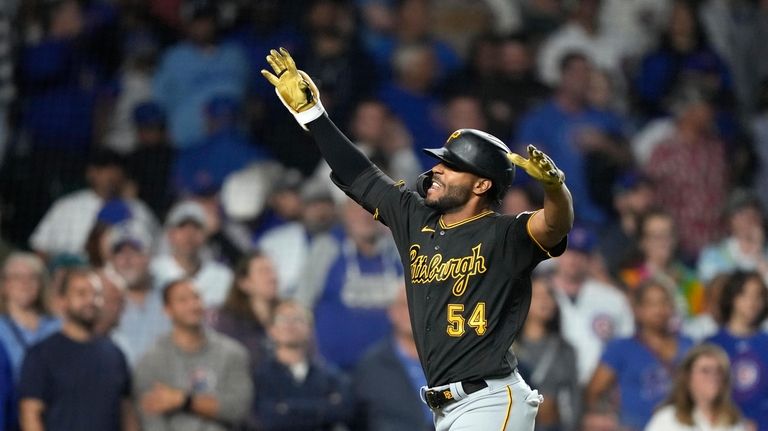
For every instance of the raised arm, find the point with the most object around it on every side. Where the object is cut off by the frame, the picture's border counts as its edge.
(549, 226)
(300, 95)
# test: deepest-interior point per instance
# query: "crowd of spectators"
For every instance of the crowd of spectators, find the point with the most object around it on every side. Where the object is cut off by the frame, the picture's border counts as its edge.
(175, 256)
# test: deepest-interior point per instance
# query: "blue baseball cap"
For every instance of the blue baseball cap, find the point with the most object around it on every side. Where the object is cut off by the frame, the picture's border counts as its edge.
(114, 211)
(581, 239)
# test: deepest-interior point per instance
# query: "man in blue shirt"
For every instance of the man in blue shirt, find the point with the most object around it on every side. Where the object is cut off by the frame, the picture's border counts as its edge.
(574, 133)
(196, 69)
(74, 380)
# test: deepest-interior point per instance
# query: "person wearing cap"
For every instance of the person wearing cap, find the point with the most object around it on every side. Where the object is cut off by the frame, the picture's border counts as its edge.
(194, 70)
(745, 248)
(64, 228)
(149, 165)
(186, 232)
(142, 320)
(592, 311)
(289, 245)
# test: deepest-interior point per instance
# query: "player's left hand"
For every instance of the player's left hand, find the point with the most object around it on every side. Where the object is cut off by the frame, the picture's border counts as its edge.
(539, 166)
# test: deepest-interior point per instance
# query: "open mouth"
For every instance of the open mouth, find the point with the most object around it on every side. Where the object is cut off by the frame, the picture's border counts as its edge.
(435, 185)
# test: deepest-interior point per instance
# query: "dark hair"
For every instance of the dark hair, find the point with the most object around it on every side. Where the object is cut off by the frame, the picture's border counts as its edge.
(72, 273)
(93, 244)
(652, 213)
(640, 292)
(103, 157)
(733, 287)
(237, 301)
(570, 57)
(168, 287)
(554, 324)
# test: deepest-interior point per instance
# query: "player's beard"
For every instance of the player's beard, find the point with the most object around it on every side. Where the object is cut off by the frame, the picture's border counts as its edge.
(455, 197)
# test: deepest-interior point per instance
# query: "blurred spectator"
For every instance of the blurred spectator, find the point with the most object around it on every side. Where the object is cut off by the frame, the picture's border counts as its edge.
(149, 164)
(745, 247)
(705, 324)
(133, 88)
(743, 308)
(336, 59)
(8, 407)
(683, 55)
(413, 24)
(388, 378)
(142, 320)
(186, 231)
(194, 70)
(384, 139)
(580, 33)
(294, 391)
(458, 22)
(25, 318)
(634, 26)
(355, 289)
(632, 195)
(478, 75)
(75, 379)
(411, 95)
(733, 27)
(288, 245)
(600, 420)
(551, 361)
(520, 198)
(65, 227)
(250, 303)
(593, 312)
(696, 150)
(97, 247)
(576, 135)
(641, 365)
(758, 124)
(112, 304)
(517, 88)
(194, 377)
(283, 203)
(202, 168)
(700, 396)
(463, 112)
(7, 65)
(657, 244)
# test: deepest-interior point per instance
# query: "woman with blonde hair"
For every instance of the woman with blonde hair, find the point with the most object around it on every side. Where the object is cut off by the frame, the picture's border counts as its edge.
(700, 398)
(24, 315)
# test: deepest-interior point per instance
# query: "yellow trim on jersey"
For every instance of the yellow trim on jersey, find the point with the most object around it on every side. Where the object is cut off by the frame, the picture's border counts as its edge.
(427, 229)
(461, 222)
(509, 408)
(528, 229)
(399, 183)
(376, 214)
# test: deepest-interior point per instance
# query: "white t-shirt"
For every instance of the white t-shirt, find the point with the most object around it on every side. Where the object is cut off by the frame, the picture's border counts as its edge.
(599, 313)
(665, 420)
(66, 225)
(570, 37)
(287, 246)
(213, 279)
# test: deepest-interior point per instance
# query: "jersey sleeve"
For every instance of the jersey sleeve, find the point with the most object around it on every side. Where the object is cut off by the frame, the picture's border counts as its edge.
(390, 202)
(34, 382)
(520, 244)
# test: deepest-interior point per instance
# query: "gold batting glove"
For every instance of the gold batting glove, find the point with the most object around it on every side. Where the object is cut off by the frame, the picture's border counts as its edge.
(539, 166)
(294, 87)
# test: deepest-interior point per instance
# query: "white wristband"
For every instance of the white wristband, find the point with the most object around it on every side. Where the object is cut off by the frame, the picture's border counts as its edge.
(303, 118)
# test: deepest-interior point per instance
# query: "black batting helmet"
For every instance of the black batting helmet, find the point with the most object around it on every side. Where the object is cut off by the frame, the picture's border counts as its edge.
(477, 152)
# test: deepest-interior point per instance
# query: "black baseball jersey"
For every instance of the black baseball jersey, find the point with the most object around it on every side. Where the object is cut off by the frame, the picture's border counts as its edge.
(468, 283)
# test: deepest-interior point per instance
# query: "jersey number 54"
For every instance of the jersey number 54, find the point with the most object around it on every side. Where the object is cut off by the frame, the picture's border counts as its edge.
(456, 321)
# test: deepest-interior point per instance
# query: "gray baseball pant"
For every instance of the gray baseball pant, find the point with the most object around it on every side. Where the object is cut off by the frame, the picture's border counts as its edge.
(507, 404)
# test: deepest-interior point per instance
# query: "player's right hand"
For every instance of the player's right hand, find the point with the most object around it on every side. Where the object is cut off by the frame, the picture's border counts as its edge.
(294, 87)
(539, 166)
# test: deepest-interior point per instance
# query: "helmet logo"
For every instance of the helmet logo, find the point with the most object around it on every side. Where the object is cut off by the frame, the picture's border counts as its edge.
(454, 135)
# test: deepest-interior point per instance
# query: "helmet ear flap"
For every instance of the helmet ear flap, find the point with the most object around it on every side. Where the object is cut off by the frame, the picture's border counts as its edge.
(423, 182)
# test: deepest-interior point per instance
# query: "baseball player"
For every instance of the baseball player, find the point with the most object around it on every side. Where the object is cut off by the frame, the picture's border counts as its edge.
(467, 267)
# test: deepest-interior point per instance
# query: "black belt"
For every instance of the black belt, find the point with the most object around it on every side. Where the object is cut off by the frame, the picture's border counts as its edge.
(438, 399)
